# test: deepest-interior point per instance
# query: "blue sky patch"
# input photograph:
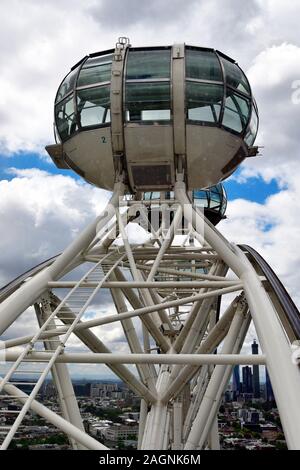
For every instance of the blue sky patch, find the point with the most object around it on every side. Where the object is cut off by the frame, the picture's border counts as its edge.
(26, 160)
(254, 189)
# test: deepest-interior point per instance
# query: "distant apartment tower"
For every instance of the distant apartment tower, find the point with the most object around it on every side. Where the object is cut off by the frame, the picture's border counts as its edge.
(236, 382)
(269, 389)
(247, 379)
(117, 433)
(255, 377)
(103, 390)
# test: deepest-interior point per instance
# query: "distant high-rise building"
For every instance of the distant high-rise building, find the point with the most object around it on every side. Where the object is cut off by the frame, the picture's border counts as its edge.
(247, 379)
(103, 390)
(236, 382)
(269, 389)
(82, 389)
(256, 384)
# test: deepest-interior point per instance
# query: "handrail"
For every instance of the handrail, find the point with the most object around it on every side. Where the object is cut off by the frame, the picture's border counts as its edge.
(291, 311)
(13, 285)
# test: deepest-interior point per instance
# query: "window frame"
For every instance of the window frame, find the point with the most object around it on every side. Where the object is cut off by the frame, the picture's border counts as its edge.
(245, 98)
(80, 65)
(199, 121)
(159, 122)
(92, 126)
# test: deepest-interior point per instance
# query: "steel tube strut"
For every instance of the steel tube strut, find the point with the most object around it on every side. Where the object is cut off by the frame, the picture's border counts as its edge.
(114, 358)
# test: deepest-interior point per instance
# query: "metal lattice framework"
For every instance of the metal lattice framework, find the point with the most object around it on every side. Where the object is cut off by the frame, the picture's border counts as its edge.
(171, 292)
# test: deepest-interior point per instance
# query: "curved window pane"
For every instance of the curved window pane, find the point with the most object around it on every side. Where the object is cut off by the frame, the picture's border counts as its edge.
(216, 193)
(150, 196)
(65, 118)
(67, 85)
(204, 101)
(93, 106)
(198, 194)
(148, 101)
(214, 204)
(235, 77)
(201, 202)
(236, 113)
(148, 64)
(213, 198)
(97, 74)
(203, 65)
(200, 198)
(99, 60)
(252, 130)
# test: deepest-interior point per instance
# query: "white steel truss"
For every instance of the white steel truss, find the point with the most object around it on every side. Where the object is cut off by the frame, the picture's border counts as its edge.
(167, 297)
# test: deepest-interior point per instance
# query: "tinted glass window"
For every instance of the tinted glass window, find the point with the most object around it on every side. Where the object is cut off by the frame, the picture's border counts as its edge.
(67, 85)
(151, 196)
(204, 101)
(236, 112)
(93, 106)
(100, 60)
(212, 198)
(235, 77)
(200, 198)
(202, 65)
(97, 74)
(252, 130)
(148, 101)
(148, 64)
(65, 118)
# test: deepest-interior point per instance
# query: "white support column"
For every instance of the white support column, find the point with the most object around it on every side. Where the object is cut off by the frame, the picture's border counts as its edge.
(198, 392)
(145, 371)
(158, 422)
(189, 326)
(223, 384)
(142, 422)
(214, 337)
(177, 424)
(274, 343)
(152, 321)
(213, 388)
(61, 376)
(214, 439)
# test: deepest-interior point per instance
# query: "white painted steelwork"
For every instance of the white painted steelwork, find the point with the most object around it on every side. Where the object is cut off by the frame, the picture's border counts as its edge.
(173, 291)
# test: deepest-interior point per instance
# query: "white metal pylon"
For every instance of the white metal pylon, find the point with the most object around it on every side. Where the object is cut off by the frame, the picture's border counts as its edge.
(185, 354)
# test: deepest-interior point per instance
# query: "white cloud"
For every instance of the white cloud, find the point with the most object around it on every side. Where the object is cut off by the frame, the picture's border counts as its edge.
(272, 74)
(41, 41)
(40, 214)
(273, 229)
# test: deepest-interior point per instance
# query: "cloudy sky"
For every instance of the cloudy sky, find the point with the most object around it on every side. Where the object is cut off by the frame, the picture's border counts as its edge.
(42, 208)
